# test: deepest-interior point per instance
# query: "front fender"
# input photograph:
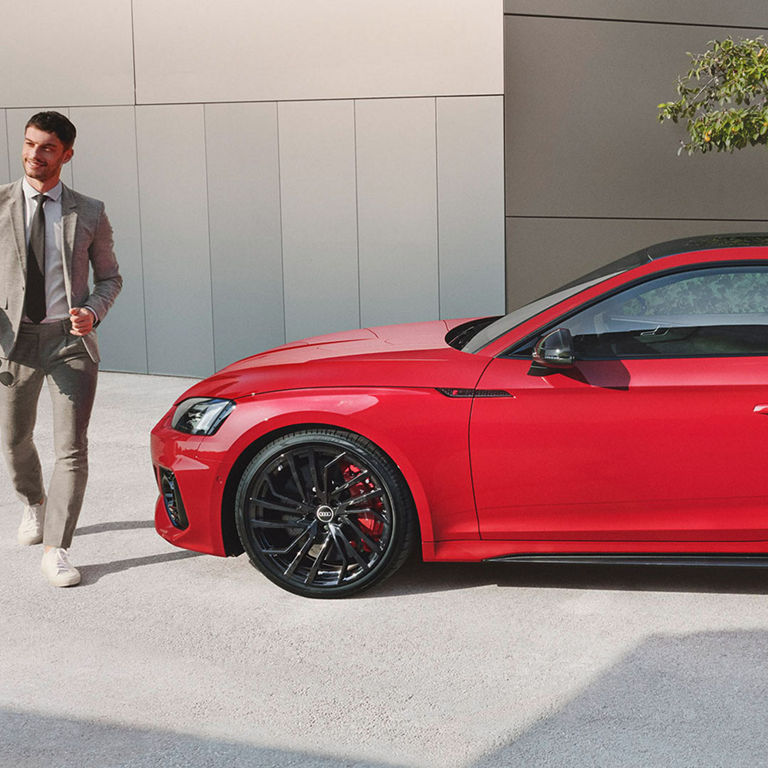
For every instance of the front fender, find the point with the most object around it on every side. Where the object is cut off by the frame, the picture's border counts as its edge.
(421, 430)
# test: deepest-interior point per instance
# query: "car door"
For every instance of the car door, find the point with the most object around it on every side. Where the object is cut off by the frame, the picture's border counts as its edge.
(657, 432)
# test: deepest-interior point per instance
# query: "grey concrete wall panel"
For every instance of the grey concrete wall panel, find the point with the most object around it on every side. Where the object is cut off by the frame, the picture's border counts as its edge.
(174, 220)
(317, 190)
(544, 254)
(71, 53)
(5, 169)
(397, 208)
(240, 50)
(748, 13)
(16, 120)
(102, 172)
(211, 274)
(246, 243)
(470, 184)
(582, 136)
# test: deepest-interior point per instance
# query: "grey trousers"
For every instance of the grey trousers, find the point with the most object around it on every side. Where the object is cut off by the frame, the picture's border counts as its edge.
(48, 351)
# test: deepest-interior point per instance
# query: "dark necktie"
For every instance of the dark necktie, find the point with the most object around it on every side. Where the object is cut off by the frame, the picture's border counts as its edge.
(35, 296)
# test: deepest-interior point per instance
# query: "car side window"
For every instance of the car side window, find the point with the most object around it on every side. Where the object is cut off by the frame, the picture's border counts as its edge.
(700, 313)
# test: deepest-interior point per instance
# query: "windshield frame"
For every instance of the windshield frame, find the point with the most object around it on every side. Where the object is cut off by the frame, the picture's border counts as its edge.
(498, 328)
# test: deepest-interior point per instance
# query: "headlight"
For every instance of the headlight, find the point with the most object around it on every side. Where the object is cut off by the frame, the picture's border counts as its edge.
(201, 415)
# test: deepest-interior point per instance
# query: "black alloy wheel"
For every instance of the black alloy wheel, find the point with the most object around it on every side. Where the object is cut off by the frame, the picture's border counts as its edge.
(324, 513)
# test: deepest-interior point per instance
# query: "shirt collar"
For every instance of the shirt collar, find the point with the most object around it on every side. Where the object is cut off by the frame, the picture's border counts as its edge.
(30, 191)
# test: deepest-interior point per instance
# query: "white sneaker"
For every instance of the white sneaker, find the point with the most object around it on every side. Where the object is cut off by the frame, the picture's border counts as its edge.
(58, 570)
(31, 528)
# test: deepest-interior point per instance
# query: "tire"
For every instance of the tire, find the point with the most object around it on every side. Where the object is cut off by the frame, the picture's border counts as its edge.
(324, 513)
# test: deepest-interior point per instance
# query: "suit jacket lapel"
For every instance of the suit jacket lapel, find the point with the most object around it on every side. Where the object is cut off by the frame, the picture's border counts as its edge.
(19, 228)
(68, 227)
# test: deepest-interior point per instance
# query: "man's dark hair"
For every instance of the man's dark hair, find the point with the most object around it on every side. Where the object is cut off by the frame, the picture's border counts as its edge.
(54, 122)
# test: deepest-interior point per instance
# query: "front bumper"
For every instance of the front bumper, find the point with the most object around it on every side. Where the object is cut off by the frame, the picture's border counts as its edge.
(188, 509)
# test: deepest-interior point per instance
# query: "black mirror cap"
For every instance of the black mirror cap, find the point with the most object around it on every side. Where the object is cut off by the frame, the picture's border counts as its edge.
(555, 349)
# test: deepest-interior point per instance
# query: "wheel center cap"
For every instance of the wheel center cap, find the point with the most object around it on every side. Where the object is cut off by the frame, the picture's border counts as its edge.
(325, 514)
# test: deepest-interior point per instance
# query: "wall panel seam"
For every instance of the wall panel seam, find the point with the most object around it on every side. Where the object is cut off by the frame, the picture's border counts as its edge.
(629, 218)
(7, 143)
(141, 242)
(357, 218)
(200, 102)
(208, 227)
(280, 215)
(437, 213)
(133, 52)
(635, 21)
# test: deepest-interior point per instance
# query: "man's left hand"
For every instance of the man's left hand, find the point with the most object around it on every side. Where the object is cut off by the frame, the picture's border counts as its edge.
(82, 321)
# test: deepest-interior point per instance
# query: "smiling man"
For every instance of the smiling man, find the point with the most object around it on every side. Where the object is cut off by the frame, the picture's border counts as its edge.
(51, 240)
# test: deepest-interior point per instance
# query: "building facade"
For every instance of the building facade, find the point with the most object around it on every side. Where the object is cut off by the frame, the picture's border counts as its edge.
(590, 173)
(273, 169)
(276, 169)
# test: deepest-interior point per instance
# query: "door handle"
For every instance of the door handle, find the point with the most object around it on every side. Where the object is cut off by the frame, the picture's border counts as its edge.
(761, 409)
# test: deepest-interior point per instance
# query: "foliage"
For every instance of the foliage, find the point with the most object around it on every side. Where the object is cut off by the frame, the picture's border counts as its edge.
(723, 97)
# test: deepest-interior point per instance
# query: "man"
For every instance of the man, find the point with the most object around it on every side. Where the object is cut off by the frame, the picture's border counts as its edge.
(50, 239)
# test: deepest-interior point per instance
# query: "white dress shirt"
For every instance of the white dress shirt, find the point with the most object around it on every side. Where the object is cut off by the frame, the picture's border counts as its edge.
(57, 307)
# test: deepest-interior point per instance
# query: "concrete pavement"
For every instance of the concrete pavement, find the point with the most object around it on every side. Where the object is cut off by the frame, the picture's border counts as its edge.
(167, 658)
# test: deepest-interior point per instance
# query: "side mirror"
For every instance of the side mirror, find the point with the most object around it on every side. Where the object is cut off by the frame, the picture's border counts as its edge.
(555, 349)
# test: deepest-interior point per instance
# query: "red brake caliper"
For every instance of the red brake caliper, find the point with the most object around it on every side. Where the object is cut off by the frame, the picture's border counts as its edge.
(370, 525)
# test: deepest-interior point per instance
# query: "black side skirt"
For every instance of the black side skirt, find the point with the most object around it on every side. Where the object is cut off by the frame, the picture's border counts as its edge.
(709, 559)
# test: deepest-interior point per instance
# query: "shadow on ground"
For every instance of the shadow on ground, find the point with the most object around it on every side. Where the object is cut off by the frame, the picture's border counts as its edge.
(675, 701)
(33, 740)
(92, 573)
(124, 525)
(417, 577)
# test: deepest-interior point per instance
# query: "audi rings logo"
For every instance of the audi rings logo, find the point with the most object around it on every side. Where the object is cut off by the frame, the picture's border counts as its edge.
(325, 514)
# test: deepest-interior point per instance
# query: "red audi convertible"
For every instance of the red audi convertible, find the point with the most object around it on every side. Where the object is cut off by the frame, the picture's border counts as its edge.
(623, 418)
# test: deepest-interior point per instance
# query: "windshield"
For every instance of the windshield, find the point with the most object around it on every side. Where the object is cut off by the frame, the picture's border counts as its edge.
(697, 243)
(508, 322)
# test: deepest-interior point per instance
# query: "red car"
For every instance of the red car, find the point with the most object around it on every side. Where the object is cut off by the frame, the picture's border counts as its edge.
(623, 418)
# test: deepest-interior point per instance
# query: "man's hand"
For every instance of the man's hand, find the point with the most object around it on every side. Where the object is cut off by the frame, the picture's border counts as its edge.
(82, 320)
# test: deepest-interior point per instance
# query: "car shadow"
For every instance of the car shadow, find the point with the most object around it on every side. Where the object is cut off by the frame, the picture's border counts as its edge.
(92, 573)
(418, 577)
(122, 525)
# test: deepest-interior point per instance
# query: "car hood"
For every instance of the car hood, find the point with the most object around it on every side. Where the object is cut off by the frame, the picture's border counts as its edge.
(409, 355)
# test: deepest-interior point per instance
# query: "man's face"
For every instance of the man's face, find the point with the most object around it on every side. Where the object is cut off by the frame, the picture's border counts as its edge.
(43, 155)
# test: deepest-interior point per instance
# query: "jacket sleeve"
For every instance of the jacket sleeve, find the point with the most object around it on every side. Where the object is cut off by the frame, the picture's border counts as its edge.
(107, 280)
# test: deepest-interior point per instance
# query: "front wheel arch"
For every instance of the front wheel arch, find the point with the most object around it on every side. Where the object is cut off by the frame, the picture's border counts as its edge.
(232, 544)
(323, 512)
